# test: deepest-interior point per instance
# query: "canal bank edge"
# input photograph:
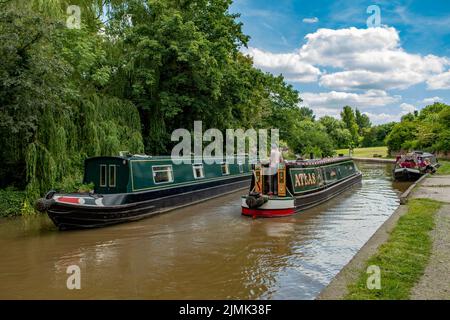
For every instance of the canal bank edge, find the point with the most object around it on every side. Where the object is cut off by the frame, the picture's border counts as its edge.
(404, 196)
(337, 289)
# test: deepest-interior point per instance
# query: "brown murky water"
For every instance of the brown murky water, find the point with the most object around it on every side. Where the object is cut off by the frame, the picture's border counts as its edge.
(206, 251)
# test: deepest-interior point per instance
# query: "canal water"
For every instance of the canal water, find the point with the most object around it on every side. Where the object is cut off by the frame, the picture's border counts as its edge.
(206, 251)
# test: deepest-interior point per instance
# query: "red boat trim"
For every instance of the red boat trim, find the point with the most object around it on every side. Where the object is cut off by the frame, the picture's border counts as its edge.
(69, 200)
(268, 213)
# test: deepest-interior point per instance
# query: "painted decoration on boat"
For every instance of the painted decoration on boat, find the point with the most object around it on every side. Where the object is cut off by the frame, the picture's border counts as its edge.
(306, 179)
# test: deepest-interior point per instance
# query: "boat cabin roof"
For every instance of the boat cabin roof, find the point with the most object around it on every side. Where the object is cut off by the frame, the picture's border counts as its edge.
(129, 157)
(316, 162)
(290, 163)
(416, 154)
(423, 154)
(147, 157)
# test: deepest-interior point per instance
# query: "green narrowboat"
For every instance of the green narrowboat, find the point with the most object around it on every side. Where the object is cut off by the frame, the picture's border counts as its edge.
(298, 185)
(133, 187)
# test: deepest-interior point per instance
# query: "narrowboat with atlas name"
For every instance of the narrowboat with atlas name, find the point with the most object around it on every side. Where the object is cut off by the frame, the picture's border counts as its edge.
(298, 185)
(133, 187)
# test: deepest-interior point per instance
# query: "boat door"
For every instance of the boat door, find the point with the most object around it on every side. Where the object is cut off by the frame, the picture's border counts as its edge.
(109, 174)
(108, 178)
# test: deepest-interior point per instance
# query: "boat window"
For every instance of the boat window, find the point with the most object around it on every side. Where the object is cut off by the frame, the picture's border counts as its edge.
(103, 175)
(225, 169)
(198, 171)
(162, 174)
(241, 168)
(112, 175)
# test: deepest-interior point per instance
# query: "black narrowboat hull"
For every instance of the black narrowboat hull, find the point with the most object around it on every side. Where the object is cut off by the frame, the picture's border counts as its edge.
(406, 174)
(307, 201)
(139, 205)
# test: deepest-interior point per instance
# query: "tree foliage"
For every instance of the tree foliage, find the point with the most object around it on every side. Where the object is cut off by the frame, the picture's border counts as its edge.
(349, 119)
(429, 130)
(362, 121)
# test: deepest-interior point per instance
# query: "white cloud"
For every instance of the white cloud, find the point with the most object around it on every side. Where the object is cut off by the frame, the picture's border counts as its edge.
(375, 49)
(429, 101)
(331, 103)
(364, 79)
(369, 58)
(331, 109)
(407, 108)
(320, 112)
(338, 99)
(338, 48)
(311, 20)
(359, 66)
(288, 64)
(382, 117)
(361, 59)
(440, 81)
(378, 118)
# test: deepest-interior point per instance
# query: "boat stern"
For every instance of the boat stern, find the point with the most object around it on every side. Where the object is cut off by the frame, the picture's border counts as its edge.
(270, 200)
(273, 206)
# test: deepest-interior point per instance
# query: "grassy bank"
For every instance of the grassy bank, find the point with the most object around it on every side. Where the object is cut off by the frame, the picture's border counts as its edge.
(11, 202)
(444, 168)
(365, 152)
(402, 259)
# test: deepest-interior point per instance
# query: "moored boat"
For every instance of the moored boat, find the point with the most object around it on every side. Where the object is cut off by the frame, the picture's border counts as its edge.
(297, 186)
(412, 166)
(129, 188)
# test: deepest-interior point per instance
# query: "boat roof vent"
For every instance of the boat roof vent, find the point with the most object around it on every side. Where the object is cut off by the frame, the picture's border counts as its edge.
(141, 156)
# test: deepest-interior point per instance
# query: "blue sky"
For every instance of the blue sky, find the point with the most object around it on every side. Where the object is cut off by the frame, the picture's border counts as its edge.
(327, 52)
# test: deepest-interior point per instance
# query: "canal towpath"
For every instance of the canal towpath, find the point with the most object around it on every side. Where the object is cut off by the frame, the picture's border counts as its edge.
(434, 283)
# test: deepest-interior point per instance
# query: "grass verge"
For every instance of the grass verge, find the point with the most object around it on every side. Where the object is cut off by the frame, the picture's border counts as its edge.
(365, 152)
(444, 168)
(403, 258)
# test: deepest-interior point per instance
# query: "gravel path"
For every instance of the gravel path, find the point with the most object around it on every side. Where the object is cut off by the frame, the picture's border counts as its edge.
(435, 283)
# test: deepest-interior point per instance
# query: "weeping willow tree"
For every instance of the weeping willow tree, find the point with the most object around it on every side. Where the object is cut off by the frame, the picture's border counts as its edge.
(91, 10)
(55, 108)
(98, 125)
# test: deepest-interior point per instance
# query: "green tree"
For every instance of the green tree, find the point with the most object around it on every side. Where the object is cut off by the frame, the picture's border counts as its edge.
(33, 83)
(307, 113)
(363, 121)
(178, 56)
(311, 137)
(348, 117)
(382, 131)
(428, 130)
(402, 136)
(337, 131)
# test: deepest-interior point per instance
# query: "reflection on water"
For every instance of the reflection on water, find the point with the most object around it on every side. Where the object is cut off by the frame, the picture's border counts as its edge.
(207, 251)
